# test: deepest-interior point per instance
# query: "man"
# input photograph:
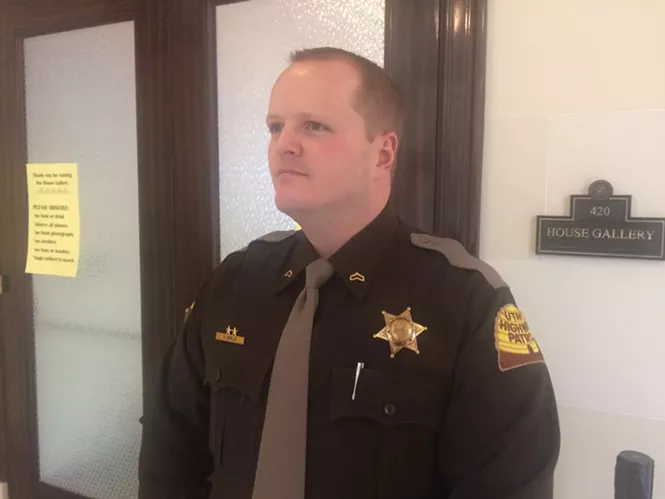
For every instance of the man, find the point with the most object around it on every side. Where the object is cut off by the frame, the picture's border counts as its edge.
(418, 377)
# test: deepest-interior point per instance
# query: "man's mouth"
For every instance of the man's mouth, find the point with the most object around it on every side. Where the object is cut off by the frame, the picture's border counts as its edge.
(291, 173)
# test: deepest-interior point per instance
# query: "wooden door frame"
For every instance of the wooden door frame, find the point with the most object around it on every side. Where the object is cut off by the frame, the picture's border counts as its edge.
(178, 190)
(23, 20)
(435, 50)
(438, 60)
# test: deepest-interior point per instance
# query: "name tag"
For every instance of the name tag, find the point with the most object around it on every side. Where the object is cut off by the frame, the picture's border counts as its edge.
(230, 337)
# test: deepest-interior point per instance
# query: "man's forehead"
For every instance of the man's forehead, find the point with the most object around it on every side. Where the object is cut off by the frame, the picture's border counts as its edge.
(313, 78)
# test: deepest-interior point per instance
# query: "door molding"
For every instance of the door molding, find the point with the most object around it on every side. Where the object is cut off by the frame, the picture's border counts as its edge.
(178, 194)
(435, 51)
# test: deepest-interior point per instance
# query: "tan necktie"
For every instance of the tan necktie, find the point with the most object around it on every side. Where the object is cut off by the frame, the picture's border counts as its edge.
(281, 466)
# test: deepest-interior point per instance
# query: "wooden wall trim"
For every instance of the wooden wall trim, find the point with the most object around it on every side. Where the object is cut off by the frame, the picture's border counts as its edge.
(411, 58)
(178, 153)
(45, 491)
(216, 3)
(196, 147)
(435, 51)
(16, 313)
(36, 18)
(156, 183)
(460, 123)
(4, 227)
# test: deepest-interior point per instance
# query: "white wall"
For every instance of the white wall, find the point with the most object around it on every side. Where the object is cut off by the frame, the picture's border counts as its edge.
(576, 92)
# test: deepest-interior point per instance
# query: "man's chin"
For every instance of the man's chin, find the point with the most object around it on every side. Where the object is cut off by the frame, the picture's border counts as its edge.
(293, 207)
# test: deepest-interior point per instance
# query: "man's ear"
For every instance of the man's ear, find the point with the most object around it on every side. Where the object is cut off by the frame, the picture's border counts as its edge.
(388, 151)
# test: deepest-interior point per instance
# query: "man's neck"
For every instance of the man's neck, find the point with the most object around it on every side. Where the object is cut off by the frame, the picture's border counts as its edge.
(328, 232)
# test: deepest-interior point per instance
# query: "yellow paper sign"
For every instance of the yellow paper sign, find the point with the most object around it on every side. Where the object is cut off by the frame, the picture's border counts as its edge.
(55, 227)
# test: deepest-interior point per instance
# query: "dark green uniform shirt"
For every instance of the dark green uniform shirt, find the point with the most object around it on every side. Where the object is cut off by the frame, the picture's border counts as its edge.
(471, 416)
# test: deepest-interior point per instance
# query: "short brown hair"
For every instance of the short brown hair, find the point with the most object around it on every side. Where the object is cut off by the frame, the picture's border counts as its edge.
(379, 100)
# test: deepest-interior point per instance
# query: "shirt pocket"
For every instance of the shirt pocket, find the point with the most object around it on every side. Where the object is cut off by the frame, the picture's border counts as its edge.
(390, 432)
(237, 381)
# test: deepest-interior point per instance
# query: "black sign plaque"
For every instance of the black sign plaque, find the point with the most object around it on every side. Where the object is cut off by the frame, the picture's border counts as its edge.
(600, 224)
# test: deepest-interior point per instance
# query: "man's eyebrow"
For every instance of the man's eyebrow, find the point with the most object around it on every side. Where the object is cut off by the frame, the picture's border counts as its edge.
(302, 116)
(310, 116)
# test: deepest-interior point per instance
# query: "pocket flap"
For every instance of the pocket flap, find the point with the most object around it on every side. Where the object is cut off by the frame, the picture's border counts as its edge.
(388, 398)
(243, 370)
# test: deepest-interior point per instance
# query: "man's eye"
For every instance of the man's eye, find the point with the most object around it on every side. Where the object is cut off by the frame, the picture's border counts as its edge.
(275, 128)
(315, 126)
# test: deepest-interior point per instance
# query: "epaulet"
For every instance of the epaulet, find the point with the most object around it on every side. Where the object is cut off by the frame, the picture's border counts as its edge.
(272, 237)
(276, 237)
(457, 255)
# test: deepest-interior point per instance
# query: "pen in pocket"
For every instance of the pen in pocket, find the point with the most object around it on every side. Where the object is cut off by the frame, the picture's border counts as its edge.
(359, 367)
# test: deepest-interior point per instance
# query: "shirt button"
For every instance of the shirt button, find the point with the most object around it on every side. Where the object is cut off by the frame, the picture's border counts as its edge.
(389, 409)
(218, 375)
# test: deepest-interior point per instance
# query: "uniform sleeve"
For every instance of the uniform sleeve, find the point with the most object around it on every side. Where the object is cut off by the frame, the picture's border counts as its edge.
(175, 461)
(500, 438)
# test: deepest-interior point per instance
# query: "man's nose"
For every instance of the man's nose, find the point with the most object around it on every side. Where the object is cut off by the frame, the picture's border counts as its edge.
(288, 142)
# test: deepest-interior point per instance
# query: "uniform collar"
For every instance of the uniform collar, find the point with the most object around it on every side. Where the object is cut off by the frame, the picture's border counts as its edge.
(301, 255)
(355, 262)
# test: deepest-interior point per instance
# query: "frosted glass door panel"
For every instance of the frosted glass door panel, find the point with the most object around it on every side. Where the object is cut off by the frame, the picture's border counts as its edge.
(254, 40)
(81, 108)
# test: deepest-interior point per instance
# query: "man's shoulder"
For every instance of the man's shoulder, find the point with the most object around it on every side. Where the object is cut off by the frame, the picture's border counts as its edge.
(260, 247)
(456, 256)
(252, 256)
(275, 237)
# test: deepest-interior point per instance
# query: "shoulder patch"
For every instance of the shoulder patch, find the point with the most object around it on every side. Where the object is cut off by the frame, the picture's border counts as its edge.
(277, 237)
(515, 345)
(458, 256)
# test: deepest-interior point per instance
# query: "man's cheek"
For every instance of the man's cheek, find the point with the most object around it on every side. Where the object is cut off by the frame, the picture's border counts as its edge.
(334, 145)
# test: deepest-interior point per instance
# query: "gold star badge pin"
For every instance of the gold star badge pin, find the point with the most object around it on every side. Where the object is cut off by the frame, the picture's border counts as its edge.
(401, 332)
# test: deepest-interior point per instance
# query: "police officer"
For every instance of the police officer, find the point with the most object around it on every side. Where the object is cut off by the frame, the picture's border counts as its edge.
(358, 358)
